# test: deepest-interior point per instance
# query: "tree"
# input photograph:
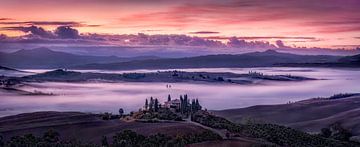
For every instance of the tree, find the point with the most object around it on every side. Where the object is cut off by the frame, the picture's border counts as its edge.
(146, 104)
(339, 133)
(1, 140)
(151, 105)
(325, 132)
(227, 135)
(169, 98)
(220, 79)
(198, 106)
(193, 105)
(51, 136)
(181, 104)
(104, 142)
(186, 102)
(156, 107)
(121, 112)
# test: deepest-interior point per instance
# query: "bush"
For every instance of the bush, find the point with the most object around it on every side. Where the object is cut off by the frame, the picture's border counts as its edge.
(127, 138)
(285, 136)
(162, 114)
(50, 138)
(130, 138)
(156, 140)
(339, 133)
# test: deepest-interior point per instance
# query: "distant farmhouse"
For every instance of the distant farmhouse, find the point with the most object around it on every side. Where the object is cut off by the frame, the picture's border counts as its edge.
(182, 105)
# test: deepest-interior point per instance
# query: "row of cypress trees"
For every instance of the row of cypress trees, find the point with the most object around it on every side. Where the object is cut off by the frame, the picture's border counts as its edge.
(185, 105)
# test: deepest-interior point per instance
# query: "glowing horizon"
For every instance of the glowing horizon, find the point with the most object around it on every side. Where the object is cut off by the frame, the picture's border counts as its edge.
(330, 24)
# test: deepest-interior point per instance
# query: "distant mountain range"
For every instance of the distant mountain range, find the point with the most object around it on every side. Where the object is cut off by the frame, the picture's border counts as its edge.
(254, 59)
(347, 61)
(44, 58)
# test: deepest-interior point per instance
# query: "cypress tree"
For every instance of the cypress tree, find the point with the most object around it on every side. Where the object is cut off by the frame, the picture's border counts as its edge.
(151, 105)
(181, 104)
(146, 104)
(121, 112)
(198, 106)
(193, 105)
(169, 98)
(156, 107)
(186, 102)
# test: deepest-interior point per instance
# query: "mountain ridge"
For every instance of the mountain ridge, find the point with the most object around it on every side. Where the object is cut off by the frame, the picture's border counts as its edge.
(47, 58)
(253, 59)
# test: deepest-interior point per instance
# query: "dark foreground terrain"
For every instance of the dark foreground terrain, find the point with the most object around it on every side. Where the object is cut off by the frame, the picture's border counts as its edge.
(85, 127)
(332, 121)
(309, 115)
(90, 129)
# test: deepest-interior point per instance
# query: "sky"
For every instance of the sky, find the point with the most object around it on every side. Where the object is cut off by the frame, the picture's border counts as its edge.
(237, 23)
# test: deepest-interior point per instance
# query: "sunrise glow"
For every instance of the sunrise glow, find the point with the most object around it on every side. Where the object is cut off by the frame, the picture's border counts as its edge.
(330, 24)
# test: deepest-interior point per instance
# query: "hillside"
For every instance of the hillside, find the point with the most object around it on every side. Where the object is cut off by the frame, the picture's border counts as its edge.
(84, 127)
(46, 58)
(254, 59)
(201, 130)
(309, 115)
(9, 69)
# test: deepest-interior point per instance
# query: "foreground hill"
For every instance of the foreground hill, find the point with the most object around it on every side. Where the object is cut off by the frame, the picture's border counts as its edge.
(46, 58)
(75, 128)
(309, 115)
(254, 59)
(84, 127)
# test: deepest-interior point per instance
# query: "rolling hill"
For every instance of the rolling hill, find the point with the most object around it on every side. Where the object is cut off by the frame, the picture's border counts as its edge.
(308, 115)
(7, 71)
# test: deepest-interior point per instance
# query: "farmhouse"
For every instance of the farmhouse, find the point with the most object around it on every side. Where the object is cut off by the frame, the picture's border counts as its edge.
(175, 104)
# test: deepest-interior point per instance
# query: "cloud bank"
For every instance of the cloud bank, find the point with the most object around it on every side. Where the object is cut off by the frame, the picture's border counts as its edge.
(36, 34)
(69, 39)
